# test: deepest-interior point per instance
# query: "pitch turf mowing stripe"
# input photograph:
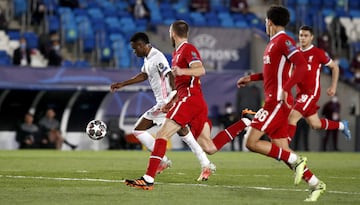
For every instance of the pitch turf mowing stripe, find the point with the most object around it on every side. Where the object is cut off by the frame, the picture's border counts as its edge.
(173, 184)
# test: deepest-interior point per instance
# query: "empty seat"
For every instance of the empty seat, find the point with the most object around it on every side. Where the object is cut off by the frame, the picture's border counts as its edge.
(14, 34)
(53, 23)
(32, 39)
(82, 64)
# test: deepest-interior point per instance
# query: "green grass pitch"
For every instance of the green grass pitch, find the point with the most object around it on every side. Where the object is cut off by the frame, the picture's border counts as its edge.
(96, 177)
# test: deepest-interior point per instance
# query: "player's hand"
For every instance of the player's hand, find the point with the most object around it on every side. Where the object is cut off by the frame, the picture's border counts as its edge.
(283, 98)
(115, 86)
(331, 91)
(243, 81)
(169, 104)
(177, 71)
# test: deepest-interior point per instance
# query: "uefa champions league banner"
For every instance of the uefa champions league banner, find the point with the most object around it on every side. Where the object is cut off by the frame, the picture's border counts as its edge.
(220, 49)
(218, 87)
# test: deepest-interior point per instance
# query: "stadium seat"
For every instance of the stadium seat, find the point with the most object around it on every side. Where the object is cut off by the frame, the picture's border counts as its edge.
(20, 7)
(53, 23)
(113, 25)
(302, 2)
(95, 13)
(353, 4)
(67, 64)
(354, 13)
(71, 34)
(89, 44)
(122, 5)
(32, 39)
(106, 53)
(127, 25)
(315, 4)
(5, 59)
(109, 10)
(80, 12)
(14, 34)
(82, 64)
(329, 4)
(84, 26)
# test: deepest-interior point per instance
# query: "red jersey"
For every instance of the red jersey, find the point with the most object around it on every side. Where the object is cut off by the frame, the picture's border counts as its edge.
(190, 108)
(277, 65)
(315, 57)
(182, 57)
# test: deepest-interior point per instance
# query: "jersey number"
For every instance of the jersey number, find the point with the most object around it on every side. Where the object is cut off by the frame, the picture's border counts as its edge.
(261, 115)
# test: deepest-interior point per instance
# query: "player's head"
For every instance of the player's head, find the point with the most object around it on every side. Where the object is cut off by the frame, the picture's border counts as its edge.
(140, 44)
(178, 30)
(306, 35)
(276, 16)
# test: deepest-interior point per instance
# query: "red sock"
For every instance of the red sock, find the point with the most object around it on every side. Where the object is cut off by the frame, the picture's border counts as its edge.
(278, 153)
(291, 130)
(156, 155)
(307, 174)
(329, 124)
(228, 134)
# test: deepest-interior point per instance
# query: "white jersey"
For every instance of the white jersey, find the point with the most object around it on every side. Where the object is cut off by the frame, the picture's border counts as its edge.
(156, 67)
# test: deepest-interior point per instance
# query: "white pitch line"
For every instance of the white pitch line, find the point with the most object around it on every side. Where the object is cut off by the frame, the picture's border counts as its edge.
(173, 184)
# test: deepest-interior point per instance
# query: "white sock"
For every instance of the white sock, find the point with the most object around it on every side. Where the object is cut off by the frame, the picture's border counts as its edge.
(196, 149)
(292, 158)
(341, 126)
(313, 181)
(148, 178)
(147, 140)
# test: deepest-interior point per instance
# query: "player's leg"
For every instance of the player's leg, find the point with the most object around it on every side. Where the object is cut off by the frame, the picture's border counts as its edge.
(229, 133)
(326, 124)
(270, 120)
(189, 139)
(316, 186)
(140, 131)
(294, 117)
(165, 132)
(204, 141)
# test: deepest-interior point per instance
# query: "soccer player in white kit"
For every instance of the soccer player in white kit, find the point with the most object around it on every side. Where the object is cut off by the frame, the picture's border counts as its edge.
(157, 71)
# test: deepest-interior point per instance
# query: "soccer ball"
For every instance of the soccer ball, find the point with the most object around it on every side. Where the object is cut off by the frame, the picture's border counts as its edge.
(96, 129)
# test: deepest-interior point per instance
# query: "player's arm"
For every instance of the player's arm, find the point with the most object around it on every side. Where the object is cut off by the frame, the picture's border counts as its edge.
(331, 91)
(299, 71)
(243, 81)
(195, 69)
(140, 77)
(171, 77)
(172, 97)
(298, 74)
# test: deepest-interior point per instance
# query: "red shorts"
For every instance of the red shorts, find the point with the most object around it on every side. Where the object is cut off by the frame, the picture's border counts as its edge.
(306, 104)
(192, 111)
(273, 120)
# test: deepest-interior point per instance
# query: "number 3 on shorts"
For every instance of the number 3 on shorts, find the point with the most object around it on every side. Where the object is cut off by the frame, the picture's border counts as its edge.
(261, 115)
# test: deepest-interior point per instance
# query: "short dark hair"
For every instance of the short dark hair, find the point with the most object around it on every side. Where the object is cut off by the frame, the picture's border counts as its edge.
(140, 36)
(279, 15)
(181, 28)
(307, 28)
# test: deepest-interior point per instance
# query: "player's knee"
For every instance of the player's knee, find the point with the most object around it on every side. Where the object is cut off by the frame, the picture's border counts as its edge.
(137, 132)
(315, 126)
(250, 145)
(209, 150)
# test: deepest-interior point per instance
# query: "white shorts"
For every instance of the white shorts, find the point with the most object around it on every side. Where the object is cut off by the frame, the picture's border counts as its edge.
(154, 114)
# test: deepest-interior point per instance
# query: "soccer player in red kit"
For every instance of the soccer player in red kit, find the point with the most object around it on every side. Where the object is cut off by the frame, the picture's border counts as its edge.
(308, 92)
(280, 56)
(190, 109)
